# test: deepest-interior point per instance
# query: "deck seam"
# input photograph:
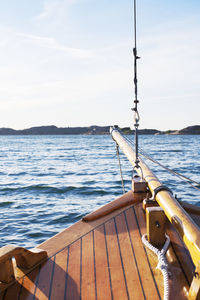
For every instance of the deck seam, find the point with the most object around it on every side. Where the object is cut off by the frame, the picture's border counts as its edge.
(146, 254)
(5, 292)
(95, 279)
(121, 258)
(52, 277)
(79, 238)
(134, 256)
(108, 261)
(20, 290)
(180, 264)
(36, 283)
(66, 276)
(81, 269)
(89, 232)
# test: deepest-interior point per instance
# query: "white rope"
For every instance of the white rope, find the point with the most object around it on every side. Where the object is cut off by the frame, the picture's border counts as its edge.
(162, 263)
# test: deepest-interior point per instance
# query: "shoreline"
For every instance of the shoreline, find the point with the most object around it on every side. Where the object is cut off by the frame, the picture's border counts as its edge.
(94, 130)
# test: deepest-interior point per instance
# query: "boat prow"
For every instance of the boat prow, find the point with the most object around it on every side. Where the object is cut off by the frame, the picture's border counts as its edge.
(105, 258)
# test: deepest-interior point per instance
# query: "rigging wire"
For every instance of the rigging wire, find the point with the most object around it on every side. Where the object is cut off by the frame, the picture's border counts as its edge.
(137, 118)
(136, 101)
(181, 176)
(120, 168)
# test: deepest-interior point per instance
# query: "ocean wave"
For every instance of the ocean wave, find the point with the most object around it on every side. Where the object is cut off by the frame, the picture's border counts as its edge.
(82, 190)
(42, 192)
(6, 203)
(65, 219)
(17, 174)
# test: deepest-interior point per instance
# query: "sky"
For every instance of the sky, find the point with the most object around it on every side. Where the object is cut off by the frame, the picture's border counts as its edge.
(70, 63)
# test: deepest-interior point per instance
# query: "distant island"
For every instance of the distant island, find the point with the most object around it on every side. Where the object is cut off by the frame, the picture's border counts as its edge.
(94, 130)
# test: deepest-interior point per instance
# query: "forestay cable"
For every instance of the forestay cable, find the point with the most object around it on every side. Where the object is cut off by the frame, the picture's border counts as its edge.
(136, 101)
(120, 168)
(184, 178)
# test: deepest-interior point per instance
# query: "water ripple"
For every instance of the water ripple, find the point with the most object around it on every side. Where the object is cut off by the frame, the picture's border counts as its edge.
(44, 191)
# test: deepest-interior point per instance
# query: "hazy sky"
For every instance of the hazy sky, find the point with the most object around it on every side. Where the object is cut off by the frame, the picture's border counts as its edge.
(69, 63)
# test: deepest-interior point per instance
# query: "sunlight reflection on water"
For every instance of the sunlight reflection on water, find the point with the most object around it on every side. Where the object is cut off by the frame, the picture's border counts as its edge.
(49, 182)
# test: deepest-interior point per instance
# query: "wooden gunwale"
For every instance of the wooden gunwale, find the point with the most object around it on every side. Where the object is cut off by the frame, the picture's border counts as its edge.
(104, 260)
(186, 227)
(78, 230)
(58, 242)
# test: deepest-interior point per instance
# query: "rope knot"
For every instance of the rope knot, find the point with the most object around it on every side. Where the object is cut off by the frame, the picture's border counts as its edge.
(162, 262)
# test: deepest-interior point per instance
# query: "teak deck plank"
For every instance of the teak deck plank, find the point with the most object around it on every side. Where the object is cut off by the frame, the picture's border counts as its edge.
(133, 278)
(104, 260)
(147, 280)
(88, 268)
(152, 260)
(177, 281)
(29, 285)
(74, 271)
(182, 254)
(13, 291)
(118, 280)
(77, 230)
(102, 268)
(59, 275)
(44, 280)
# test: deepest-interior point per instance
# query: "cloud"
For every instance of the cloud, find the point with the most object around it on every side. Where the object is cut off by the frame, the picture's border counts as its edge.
(55, 7)
(170, 61)
(51, 43)
(58, 63)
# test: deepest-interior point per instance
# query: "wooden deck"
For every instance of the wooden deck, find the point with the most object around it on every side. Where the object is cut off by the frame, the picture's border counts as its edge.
(103, 259)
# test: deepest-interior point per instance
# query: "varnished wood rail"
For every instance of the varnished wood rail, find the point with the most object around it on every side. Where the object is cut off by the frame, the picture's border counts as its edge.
(123, 201)
(181, 220)
(24, 259)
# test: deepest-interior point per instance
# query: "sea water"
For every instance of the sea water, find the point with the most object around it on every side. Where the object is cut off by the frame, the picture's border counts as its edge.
(49, 182)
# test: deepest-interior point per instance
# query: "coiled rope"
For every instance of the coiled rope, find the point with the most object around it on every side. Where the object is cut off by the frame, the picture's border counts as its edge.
(162, 262)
